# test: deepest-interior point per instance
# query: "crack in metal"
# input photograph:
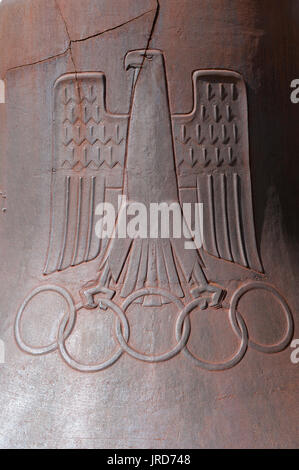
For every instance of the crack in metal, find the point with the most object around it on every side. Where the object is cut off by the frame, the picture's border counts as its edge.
(114, 27)
(157, 11)
(73, 41)
(67, 32)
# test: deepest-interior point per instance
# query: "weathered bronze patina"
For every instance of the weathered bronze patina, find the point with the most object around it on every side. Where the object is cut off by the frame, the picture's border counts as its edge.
(143, 342)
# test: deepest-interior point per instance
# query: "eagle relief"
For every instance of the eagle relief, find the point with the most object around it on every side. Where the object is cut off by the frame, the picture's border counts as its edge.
(152, 156)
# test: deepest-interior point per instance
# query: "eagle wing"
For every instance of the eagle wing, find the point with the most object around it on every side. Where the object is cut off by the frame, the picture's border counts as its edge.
(212, 159)
(88, 158)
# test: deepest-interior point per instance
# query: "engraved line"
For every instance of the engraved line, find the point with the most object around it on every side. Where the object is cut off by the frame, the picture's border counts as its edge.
(225, 216)
(171, 269)
(86, 140)
(161, 268)
(102, 199)
(80, 181)
(199, 200)
(142, 268)
(212, 214)
(51, 232)
(238, 219)
(91, 209)
(66, 220)
(133, 268)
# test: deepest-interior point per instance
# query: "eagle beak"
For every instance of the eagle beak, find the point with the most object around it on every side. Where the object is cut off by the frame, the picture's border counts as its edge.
(134, 59)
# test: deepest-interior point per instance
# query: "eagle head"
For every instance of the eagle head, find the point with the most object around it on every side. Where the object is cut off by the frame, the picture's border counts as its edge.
(136, 59)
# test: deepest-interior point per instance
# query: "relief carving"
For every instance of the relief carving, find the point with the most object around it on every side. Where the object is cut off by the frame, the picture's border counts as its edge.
(152, 156)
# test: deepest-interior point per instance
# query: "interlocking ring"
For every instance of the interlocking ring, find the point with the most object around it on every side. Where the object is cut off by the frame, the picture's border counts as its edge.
(161, 357)
(94, 367)
(268, 349)
(69, 323)
(205, 364)
(182, 329)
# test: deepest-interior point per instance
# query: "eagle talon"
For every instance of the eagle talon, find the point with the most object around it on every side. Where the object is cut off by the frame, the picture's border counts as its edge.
(88, 297)
(217, 297)
(89, 300)
(91, 305)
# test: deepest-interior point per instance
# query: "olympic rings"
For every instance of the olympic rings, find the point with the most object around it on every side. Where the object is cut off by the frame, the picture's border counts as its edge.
(182, 328)
(162, 357)
(267, 349)
(94, 367)
(212, 365)
(70, 320)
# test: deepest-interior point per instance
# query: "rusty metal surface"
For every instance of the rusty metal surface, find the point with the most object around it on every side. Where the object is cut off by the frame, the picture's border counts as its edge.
(143, 343)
